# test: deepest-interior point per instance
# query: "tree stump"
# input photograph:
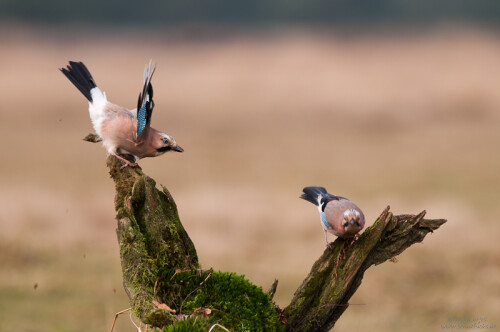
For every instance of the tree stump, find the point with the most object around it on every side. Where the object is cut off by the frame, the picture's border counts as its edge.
(167, 288)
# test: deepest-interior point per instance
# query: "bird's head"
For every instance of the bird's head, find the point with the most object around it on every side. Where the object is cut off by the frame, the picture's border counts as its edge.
(166, 143)
(353, 221)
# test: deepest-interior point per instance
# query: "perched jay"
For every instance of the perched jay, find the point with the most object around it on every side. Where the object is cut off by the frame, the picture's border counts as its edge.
(122, 131)
(339, 215)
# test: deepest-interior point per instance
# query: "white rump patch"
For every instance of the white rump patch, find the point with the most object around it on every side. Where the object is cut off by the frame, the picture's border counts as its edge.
(96, 108)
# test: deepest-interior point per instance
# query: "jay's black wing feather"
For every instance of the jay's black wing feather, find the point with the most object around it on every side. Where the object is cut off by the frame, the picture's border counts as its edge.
(145, 104)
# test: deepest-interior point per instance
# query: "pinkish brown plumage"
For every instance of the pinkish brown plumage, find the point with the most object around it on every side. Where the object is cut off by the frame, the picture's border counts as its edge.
(122, 131)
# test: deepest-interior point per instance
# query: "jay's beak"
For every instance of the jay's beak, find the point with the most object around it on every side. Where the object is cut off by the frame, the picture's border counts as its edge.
(178, 149)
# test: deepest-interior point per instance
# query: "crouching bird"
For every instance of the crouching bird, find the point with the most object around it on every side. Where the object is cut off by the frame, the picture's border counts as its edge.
(122, 131)
(338, 215)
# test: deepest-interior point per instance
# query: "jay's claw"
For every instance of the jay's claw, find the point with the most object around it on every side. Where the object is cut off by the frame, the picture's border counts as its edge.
(129, 164)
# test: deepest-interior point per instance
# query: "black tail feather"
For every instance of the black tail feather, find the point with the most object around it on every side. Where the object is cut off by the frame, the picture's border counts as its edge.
(80, 76)
(311, 194)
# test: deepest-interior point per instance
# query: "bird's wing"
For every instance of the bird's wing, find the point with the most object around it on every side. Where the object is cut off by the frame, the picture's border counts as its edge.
(331, 197)
(325, 199)
(145, 104)
(323, 220)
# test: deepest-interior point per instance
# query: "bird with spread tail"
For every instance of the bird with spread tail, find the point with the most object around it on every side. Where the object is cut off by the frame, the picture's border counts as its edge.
(339, 215)
(122, 131)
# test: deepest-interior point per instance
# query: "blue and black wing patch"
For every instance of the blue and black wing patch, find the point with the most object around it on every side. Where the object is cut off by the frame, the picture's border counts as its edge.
(141, 119)
(323, 220)
(145, 103)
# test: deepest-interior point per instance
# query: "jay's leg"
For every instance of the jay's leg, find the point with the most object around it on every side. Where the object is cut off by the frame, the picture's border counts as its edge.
(127, 163)
(328, 245)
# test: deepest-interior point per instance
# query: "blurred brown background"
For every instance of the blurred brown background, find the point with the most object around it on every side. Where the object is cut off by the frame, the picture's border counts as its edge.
(401, 117)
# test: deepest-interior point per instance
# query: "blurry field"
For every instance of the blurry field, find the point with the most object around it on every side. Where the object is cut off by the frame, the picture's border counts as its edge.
(406, 120)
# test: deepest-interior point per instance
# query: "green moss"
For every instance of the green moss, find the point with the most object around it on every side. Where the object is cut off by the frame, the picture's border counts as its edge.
(235, 303)
(313, 289)
(192, 324)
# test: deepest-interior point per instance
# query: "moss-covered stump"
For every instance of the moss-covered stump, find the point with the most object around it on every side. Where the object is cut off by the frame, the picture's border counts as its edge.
(324, 294)
(161, 273)
(167, 288)
(151, 236)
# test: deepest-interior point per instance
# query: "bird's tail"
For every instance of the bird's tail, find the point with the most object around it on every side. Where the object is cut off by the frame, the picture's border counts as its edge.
(80, 76)
(314, 194)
